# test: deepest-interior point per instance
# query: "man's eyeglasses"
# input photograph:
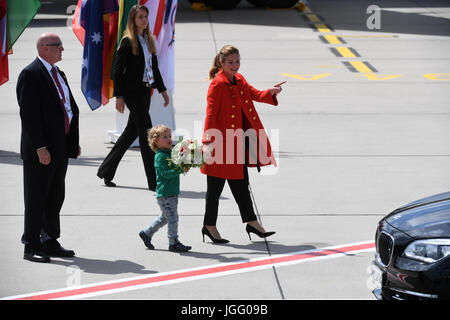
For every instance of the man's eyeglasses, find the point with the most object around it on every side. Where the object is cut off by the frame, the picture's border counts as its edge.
(57, 44)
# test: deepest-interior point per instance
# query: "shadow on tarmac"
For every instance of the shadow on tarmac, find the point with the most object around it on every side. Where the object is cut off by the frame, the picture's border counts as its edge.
(10, 157)
(98, 266)
(255, 248)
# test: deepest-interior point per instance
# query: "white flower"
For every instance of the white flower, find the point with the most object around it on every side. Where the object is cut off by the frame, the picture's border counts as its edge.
(187, 154)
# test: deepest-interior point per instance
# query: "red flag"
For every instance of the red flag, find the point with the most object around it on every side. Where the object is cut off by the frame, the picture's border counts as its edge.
(77, 29)
(4, 72)
(110, 27)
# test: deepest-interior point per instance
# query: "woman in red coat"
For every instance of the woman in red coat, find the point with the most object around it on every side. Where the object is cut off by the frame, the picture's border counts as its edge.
(235, 139)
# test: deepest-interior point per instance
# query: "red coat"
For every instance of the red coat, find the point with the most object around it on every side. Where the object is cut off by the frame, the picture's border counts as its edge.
(230, 114)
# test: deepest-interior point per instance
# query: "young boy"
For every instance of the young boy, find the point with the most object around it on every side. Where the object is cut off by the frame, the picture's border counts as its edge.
(167, 190)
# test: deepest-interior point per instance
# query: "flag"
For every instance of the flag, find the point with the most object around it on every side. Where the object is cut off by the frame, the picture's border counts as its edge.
(161, 20)
(20, 13)
(98, 18)
(14, 18)
(124, 10)
(110, 29)
(4, 73)
(77, 29)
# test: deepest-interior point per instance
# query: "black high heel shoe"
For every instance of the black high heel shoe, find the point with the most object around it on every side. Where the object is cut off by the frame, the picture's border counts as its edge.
(214, 240)
(109, 183)
(250, 229)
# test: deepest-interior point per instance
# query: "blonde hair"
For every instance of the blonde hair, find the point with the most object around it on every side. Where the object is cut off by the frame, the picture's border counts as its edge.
(220, 57)
(132, 32)
(154, 134)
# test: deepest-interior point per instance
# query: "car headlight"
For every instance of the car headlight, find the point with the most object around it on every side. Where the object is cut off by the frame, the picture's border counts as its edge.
(430, 250)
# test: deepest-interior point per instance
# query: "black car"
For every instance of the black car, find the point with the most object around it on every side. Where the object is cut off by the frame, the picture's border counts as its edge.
(412, 260)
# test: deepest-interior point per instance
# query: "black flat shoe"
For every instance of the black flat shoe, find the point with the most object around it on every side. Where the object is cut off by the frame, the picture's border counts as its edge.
(109, 183)
(52, 248)
(251, 229)
(35, 257)
(214, 240)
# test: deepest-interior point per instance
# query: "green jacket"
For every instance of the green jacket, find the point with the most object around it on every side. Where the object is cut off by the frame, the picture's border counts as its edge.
(167, 180)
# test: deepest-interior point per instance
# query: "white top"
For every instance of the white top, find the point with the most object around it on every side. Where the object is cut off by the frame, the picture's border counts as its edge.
(148, 72)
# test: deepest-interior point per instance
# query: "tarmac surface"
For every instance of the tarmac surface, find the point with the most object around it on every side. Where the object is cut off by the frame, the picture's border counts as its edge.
(358, 132)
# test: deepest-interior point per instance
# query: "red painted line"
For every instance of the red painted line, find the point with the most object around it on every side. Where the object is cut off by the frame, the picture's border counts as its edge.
(199, 272)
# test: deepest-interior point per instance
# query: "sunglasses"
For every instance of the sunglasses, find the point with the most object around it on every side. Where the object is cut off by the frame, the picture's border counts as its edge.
(57, 44)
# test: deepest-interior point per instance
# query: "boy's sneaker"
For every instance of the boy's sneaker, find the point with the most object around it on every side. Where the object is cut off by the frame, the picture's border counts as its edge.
(147, 240)
(179, 247)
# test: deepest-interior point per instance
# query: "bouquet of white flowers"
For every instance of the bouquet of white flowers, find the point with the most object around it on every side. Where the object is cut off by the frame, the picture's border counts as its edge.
(187, 154)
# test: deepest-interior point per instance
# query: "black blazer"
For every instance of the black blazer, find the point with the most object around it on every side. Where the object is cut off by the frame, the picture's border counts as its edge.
(42, 116)
(129, 70)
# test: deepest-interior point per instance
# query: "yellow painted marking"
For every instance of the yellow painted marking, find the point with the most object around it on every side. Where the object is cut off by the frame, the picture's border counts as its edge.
(437, 76)
(322, 27)
(307, 76)
(373, 76)
(360, 66)
(313, 18)
(345, 52)
(333, 39)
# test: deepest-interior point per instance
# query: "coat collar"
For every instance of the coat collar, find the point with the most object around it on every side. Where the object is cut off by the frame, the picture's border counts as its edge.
(238, 77)
(49, 78)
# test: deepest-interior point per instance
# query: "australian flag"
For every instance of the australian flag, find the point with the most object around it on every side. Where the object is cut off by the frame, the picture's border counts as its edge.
(91, 19)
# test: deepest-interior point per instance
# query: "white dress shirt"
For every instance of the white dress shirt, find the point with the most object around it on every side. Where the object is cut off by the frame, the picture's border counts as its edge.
(148, 72)
(49, 67)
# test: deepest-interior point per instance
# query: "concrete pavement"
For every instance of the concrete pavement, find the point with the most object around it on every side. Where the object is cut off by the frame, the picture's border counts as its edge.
(352, 147)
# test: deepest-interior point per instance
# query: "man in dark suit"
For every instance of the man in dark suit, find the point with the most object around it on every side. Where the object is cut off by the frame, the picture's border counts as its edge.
(49, 137)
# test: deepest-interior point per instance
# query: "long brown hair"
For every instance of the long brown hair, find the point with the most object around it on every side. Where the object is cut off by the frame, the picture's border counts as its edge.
(132, 32)
(220, 57)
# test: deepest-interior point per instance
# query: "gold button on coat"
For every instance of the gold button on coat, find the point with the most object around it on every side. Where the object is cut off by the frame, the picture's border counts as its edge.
(232, 116)
(254, 118)
(233, 106)
(232, 125)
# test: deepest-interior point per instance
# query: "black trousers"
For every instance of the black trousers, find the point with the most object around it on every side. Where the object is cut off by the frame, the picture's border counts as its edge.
(44, 192)
(241, 194)
(139, 123)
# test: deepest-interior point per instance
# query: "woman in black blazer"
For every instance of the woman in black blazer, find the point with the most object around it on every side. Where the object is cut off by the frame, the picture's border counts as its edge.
(135, 73)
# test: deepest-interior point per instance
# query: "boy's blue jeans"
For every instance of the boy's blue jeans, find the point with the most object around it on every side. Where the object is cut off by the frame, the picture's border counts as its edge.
(169, 215)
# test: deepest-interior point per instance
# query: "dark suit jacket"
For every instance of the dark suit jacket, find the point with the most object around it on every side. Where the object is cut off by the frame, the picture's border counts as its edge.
(129, 70)
(42, 115)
